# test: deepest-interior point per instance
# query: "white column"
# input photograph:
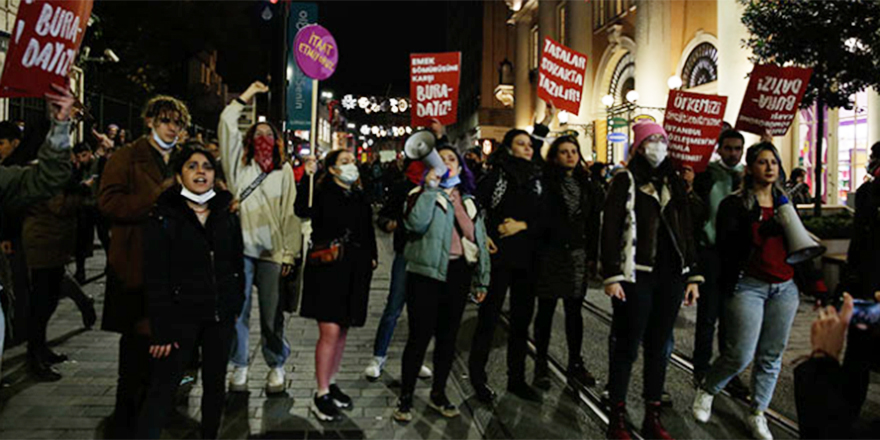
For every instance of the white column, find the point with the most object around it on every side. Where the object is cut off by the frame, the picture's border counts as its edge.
(873, 117)
(579, 24)
(546, 28)
(522, 90)
(653, 67)
(733, 60)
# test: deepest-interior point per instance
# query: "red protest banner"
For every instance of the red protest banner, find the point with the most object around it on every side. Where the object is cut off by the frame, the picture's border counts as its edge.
(693, 123)
(561, 76)
(433, 87)
(772, 98)
(45, 39)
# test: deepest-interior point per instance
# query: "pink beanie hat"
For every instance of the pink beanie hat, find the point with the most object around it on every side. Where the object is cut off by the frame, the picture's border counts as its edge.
(644, 129)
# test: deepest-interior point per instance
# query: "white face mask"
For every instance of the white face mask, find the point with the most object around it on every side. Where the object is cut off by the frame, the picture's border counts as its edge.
(348, 173)
(199, 199)
(163, 144)
(655, 152)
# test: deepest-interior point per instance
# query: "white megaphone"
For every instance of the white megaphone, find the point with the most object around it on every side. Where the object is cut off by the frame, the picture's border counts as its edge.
(420, 146)
(801, 247)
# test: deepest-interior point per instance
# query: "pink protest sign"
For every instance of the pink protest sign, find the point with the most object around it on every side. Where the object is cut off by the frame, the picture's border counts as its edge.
(315, 51)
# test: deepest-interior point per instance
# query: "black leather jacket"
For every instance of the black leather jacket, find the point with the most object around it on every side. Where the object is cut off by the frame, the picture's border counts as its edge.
(666, 209)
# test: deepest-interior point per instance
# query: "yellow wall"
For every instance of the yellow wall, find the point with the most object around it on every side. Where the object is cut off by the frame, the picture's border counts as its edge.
(688, 17)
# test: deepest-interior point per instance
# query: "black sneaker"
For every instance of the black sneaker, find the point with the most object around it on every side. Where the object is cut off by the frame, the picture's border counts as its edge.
(342, 400)
(542, 375)
(325, 409)
(484, 393)
(53, 357)
(578, 374)
(443, 406)
(522, 390)
(403, 413)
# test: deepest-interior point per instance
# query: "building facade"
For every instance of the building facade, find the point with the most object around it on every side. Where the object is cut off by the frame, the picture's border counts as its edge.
(648, 46)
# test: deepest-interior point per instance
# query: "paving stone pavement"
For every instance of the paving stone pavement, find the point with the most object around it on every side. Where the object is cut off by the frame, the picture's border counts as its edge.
(79, 406)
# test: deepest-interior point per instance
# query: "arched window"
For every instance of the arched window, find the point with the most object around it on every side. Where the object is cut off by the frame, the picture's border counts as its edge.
(701, 66)
(624, 78)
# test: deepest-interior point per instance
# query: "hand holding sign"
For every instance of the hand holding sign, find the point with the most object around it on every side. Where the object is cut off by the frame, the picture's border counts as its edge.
(60, 103)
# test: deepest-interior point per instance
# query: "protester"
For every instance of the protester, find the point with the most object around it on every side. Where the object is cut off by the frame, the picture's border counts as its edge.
(721, 178)
(862, 279)
(87, 215)
(758, 286)
(194, 288)
(390, 219)
(213, 147)
(510, 193)
(567, 252)
(49, 235)
(339, 268)
(446, 256)
(22, 186)
(797, 187)
(113, 133)
(131, 182)
(265, 188)
(474, 160)
(10, 139)
(649, 267)
(829, 402)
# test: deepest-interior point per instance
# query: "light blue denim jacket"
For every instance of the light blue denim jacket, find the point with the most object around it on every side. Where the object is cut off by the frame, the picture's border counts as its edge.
(429, 221)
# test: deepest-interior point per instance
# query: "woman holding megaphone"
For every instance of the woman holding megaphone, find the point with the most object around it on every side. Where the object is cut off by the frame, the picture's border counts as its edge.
(446, 259)
(761, 296)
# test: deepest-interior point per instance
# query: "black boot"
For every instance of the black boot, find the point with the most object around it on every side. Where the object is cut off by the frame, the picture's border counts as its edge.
(42, 370)
(522, 390)
(542, 374)
(85, 303)
(578, 375)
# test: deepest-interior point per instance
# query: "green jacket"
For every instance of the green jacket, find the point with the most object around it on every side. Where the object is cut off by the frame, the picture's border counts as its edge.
(713, 185)
(23, 186)
(429, 221)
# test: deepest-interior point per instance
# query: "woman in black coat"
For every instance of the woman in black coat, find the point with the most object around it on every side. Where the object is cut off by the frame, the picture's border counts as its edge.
(194, 283)
(511, 195)
(567, 248)
(335, 293)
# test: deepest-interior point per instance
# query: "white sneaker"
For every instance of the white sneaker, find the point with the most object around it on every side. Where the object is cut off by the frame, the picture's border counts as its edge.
(374, 369)
(703, 406)
(758, 426)
(238, 382)
(425, 372)
(275, 381)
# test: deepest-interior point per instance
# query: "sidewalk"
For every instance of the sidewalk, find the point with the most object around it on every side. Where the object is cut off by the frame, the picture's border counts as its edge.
(79, 405)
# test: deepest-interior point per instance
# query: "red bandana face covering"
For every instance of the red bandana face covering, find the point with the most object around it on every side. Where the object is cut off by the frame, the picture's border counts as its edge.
(263, 146)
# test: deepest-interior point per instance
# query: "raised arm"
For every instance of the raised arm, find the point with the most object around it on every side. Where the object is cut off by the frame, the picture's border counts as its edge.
(229, 136)
(20, 186)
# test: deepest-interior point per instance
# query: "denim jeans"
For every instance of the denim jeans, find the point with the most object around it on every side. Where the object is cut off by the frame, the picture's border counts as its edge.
(393, 306)
(757, 320)
(267, 276)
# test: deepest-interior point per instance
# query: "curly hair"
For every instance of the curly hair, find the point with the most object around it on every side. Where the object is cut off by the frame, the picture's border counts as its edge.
(166, 105)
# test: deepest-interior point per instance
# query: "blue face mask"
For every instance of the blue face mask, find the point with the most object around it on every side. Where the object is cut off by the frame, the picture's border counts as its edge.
(450, 182)
(163, 144)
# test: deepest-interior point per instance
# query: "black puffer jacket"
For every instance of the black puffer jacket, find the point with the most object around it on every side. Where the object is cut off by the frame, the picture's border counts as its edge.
(192, 273)
(512, 189)
(675, 215)
(560, 234)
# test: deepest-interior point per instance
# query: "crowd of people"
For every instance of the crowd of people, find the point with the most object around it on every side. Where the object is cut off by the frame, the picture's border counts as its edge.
(194, 230)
